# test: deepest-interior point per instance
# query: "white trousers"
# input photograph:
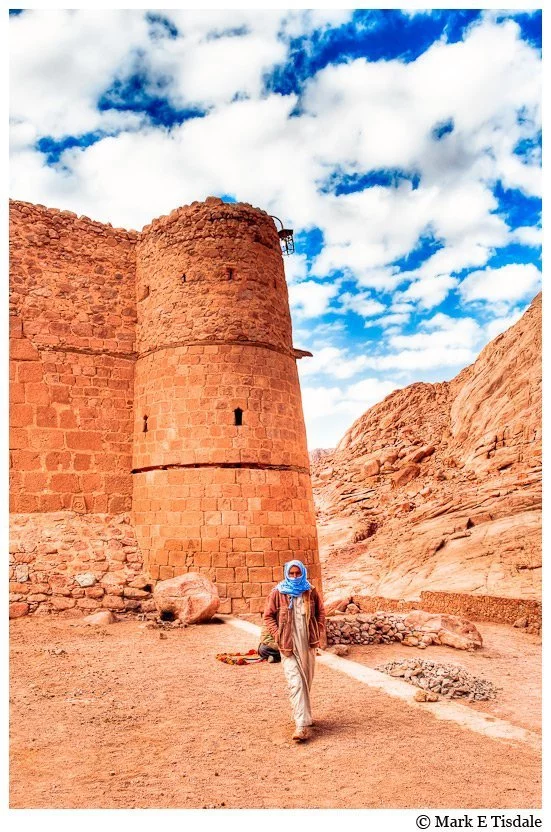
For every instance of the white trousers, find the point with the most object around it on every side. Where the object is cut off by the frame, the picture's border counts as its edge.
(299, 668)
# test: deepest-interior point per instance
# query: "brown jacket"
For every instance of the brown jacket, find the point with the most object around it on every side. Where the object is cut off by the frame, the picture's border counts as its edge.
(279, 621)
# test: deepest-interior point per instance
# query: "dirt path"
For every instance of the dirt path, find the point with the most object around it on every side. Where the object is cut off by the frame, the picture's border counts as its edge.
(125, 719)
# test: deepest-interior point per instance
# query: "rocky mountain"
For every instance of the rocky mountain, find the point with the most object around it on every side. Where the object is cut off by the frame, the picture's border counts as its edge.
(438, 487)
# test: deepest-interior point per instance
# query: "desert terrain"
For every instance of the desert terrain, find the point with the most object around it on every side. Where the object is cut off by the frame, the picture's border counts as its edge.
(120, 717)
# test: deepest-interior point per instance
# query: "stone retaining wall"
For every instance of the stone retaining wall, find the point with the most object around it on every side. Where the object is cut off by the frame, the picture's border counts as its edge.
(473, 607)
(72, 565)
(376, 628)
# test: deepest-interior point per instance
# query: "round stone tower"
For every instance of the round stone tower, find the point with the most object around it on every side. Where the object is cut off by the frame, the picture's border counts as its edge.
(221, 469)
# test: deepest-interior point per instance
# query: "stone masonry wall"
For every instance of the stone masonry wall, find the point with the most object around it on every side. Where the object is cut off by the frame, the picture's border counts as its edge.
(72, 320)
(230, 499)
(474, 607)
(236, 526)
(129, 355)
(72, 333)
(74, 564)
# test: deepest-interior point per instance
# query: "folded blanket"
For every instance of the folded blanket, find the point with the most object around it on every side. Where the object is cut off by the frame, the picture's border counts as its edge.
(251, 657)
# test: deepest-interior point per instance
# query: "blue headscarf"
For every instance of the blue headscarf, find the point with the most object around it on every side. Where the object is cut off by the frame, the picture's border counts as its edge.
(294, 586)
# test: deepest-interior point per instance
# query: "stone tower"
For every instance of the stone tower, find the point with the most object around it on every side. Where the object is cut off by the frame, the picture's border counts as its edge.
(221, 481)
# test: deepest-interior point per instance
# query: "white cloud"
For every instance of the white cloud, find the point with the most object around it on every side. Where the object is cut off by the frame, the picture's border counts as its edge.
(506, 284)
(310, 299)
(528, 236)
(361, 303)
(333, 361)
(429, 291)
(56, 77)
(416, 361)
(440, 332)
(392, 320)
(329, 411)
(296, 268)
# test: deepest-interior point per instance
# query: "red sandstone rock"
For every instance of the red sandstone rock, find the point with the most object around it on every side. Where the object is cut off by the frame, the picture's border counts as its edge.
(475, 519)
(191, 598)
(18, 609)
(406, 474)
(451, 629)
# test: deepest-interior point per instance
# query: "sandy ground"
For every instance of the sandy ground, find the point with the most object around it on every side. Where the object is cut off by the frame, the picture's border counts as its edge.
(125, 719)
(509, 658)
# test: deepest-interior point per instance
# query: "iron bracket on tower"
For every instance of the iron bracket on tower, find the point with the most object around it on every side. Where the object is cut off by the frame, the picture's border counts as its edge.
(285, 237)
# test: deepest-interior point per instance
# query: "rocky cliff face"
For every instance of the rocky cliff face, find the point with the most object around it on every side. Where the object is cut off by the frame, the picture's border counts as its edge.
(438, 487)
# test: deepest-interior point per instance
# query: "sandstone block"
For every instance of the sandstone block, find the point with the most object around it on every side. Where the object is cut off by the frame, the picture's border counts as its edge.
(18, 609)
(85, 579)
(113, 602)
(191, 598)
(61, 603)
(406, 474)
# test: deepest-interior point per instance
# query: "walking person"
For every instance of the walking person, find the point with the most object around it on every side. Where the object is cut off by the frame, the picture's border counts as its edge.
(295, 618)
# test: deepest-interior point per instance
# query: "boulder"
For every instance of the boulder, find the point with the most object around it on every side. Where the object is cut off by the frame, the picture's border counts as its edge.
(191, 598)
(101, 617)
(372, 468)
(339, 650)
(426, 696)
(336, 604)
(451, 630)
(405, 474)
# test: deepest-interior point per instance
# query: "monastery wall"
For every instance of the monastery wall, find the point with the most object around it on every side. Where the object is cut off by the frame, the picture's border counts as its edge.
(72, 333)
(130, 357)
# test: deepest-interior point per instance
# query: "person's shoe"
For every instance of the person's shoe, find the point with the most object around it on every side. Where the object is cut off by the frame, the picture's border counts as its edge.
(301, 734)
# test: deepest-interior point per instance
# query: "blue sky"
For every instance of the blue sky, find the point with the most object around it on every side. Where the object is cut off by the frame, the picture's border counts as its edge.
(404, 148)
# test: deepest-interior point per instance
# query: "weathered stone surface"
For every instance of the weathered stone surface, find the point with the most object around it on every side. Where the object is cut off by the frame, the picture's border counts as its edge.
(406, 474)
(467, 519)
(78, 565)
(434, 679)
(19, 609)
(451, 629)
(191, 598)
(339, 649)
(85, 579)
(425, 696)
(102, 617)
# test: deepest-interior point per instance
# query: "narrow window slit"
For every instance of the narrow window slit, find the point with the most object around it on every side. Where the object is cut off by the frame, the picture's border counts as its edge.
(230, 273)
(184, 277)
(238, 413)
(145, 424)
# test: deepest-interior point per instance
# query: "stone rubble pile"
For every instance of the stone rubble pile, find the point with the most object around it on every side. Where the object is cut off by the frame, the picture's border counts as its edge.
(448, 680)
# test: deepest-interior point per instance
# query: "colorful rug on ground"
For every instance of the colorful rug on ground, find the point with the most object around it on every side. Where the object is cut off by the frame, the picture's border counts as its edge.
(251, 657)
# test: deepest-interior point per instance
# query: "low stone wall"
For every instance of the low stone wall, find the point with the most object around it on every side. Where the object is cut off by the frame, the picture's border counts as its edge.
(72, 564)
(376, 628)
(474, 607)
(483, 607)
